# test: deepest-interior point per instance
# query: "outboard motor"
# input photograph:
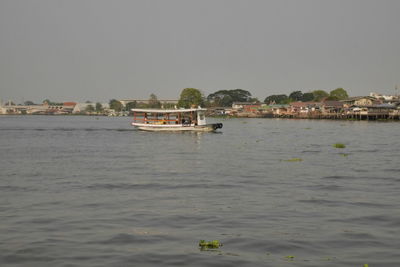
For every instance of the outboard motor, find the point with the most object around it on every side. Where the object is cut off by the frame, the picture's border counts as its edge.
(217, 126)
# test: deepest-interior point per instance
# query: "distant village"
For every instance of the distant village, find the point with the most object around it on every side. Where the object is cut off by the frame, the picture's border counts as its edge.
(372, 107)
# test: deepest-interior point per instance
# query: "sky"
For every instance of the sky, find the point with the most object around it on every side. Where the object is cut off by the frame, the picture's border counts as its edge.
(79, 50)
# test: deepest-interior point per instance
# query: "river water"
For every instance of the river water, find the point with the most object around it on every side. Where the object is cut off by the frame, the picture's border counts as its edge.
(91, 191)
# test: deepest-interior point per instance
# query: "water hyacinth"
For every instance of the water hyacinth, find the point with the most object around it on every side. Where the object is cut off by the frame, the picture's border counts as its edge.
(209, 244)
(293, 160)
(289, 258)
(339, 145)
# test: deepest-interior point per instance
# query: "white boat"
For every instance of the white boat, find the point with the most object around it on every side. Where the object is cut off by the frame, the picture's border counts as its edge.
(192, 119)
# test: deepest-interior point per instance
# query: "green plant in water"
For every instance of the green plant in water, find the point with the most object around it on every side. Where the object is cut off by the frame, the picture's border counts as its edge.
(290, 258)
(339, 145)
(293, 160)
(343, 154)
(365, 265)
(209, 244)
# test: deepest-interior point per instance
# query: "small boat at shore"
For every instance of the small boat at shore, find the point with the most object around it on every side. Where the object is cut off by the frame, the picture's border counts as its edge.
(192, 119)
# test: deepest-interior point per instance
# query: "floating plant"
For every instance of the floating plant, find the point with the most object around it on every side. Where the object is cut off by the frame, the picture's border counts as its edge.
(339, 145)
(293, 160)
(209, 244)
(289, 258)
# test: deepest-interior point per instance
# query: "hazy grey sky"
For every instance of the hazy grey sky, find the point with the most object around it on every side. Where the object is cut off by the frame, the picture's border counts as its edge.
(97, 50)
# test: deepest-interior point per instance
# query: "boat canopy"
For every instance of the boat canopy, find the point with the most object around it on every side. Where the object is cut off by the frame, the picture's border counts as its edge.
(167, 110)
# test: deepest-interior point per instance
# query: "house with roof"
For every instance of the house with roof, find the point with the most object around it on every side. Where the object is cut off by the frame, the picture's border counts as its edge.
(303, 107)
(245, 105)
(279, 109)
(331, 106)
(360, 101)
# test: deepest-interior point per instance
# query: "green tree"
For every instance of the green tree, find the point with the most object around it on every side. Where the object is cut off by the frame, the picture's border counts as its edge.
(131, 105)
(28, 103)
(224, 101)
(254, 100)
(89, 108)
(319, 95)
(168, 105)
(99, 107)
(153, 102)
(189, 97)
(296, 96)
(116, 105)
(225, 98)
(338, 94)
(307, 97)
(51, 103)
(277, 99)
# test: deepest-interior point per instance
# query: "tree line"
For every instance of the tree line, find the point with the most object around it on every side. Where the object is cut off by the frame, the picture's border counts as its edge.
(190, 97)
(317, 95)
(225, 98)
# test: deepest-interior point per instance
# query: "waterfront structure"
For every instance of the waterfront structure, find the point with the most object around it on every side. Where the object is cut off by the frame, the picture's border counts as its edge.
(331, 106)
(384, 97)
(245, 105)
(360, 101)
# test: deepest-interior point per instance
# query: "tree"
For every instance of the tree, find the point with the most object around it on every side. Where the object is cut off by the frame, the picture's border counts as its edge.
(277, 99)
(153, 102)
(254, 100)
(99, 107)
(338, 94)
(296, 96)
(240, 95)
(116, 105)
(28, 103)
(168, 105)
(319, 95)
(190, 97)
(307, 97)
(225, 98)
(50, 103)
(131, 105)
(89, 108)
(224, 101)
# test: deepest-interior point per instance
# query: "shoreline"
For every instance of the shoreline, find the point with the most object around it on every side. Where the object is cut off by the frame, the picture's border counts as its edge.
(336, 117)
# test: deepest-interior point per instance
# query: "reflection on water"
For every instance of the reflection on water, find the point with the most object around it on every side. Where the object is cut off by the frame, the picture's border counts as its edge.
(113, 196)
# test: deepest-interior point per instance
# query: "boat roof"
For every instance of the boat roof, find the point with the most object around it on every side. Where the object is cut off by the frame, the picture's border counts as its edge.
(167, 110)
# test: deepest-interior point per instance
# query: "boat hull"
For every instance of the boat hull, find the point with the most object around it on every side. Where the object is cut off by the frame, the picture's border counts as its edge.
(178, 128)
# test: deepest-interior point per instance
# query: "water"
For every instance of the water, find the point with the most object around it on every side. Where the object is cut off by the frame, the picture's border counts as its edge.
(87, 191)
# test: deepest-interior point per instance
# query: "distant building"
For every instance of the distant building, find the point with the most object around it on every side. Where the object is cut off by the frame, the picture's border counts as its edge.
(245, 105)
(361, 101)
(331, 106)
(302, 107)
(383, 97)
(279, 109)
